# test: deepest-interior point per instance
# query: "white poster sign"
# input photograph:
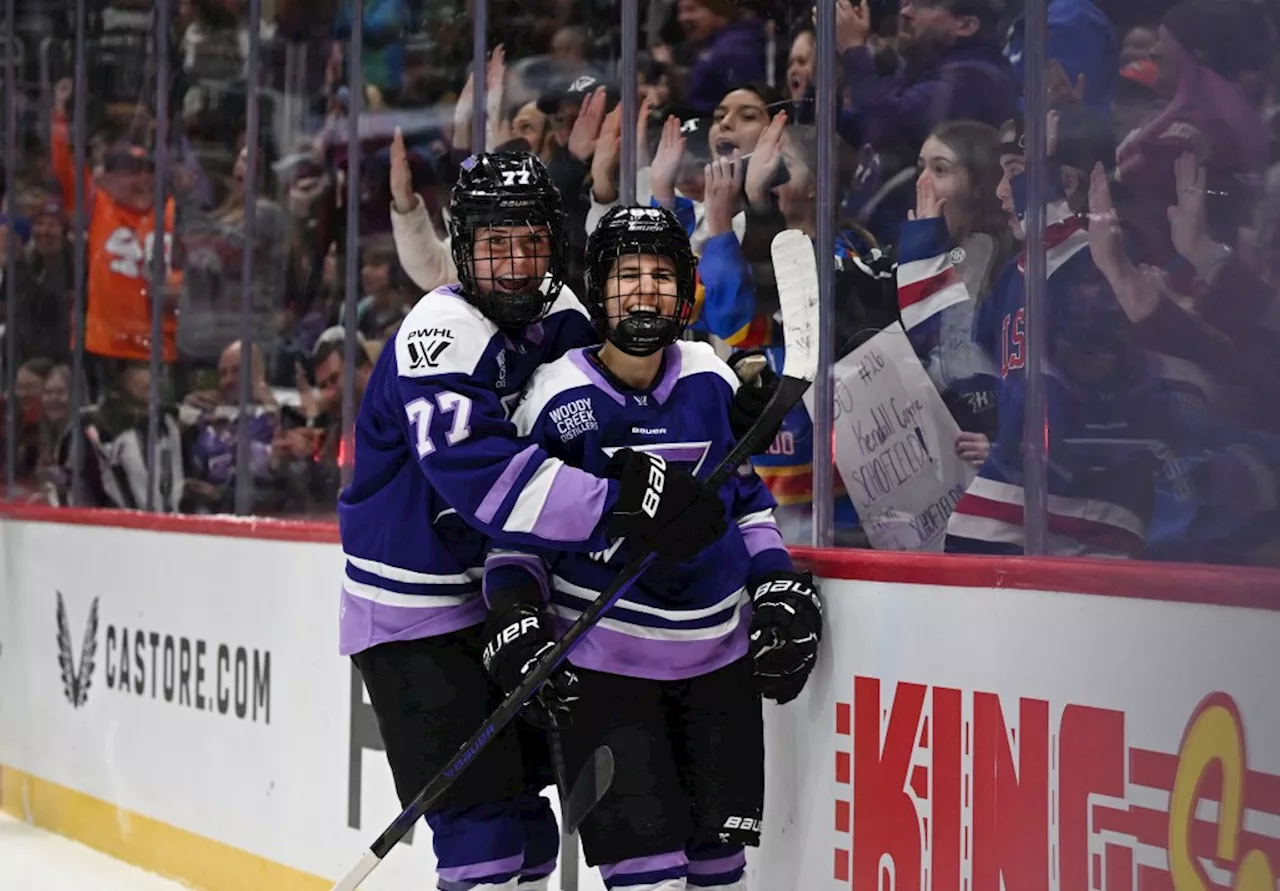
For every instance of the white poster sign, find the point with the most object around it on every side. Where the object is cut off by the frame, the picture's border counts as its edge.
(895, 445)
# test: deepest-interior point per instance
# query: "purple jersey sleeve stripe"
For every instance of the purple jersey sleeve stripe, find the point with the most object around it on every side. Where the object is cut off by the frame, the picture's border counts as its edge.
(761, 537)
(575, 504)
(502, 486)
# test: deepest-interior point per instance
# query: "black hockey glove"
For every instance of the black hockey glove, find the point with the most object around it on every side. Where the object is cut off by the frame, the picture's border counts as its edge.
(751, 398)
(785, 631)
(662, 507)
(518, 633)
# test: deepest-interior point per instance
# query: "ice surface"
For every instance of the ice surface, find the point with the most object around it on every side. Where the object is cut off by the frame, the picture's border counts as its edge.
(34, 860)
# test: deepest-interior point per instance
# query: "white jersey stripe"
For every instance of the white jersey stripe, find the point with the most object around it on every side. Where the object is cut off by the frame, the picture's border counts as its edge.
(408, 576)
(646, 632)
(533, 497)
(395, 598)
(671, 615)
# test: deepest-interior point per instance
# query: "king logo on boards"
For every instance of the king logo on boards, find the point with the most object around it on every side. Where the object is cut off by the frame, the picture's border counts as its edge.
(948, 790)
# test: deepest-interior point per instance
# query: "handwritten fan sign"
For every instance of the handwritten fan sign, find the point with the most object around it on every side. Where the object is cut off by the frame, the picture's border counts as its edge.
(895, 445)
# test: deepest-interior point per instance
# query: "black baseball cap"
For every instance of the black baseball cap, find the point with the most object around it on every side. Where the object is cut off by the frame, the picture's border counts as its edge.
(576, 90)
(128, 158)
(693, 127)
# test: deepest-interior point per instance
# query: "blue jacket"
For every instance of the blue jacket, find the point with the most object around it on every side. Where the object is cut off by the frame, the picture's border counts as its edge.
(735, 55)
(1082, 41)
(970, 80)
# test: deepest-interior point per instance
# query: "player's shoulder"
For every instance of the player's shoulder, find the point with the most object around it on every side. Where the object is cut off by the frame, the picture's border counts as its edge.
(443, 334)
(550, 385)
(567, 301)
(700, 359)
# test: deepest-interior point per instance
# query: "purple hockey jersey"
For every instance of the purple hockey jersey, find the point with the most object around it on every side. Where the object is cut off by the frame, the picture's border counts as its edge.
(678, 621)
(439, 470)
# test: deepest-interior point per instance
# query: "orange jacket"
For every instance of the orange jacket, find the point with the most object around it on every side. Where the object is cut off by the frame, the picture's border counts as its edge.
(120, 238)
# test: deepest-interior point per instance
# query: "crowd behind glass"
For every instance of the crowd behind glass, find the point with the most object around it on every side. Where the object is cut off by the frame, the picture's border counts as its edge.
(1161, 230)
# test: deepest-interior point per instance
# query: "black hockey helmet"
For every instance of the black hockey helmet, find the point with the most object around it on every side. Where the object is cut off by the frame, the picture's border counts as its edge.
(640, 230)
(508, 189)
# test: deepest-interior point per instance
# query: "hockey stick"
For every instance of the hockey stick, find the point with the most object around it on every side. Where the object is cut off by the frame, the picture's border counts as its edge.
(592, 783)
(797, 276)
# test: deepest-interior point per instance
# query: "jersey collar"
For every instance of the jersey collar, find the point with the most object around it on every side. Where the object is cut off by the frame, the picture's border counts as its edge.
(595, 371)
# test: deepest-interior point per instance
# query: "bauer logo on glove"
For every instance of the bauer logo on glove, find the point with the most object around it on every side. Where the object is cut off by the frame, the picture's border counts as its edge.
(786, 629)
(507, 635)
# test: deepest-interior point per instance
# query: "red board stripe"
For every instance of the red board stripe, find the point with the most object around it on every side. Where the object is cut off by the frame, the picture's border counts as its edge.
(1179, 583)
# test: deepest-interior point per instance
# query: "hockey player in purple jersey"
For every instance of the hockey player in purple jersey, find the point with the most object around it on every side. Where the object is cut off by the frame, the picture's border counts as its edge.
(439, 472)
(671, 677)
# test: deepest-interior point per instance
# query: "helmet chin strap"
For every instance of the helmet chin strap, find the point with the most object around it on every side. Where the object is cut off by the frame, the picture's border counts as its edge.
(644, 335)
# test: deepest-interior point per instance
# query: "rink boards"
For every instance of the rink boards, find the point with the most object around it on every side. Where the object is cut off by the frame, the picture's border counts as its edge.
(170, 693)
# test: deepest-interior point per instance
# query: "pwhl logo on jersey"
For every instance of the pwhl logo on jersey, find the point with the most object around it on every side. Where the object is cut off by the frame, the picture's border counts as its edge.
(942, 791)
(227, 680)
(426, 346)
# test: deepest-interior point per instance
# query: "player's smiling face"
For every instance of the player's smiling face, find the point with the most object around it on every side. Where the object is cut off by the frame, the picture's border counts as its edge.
(511, 259)
(641, 284)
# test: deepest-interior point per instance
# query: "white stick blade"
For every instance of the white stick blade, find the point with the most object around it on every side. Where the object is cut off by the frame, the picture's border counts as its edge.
(368, 863)
(796, 271)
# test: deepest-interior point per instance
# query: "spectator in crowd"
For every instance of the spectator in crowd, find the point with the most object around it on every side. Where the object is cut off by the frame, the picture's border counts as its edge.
(577, 116)
(742, 311)
(424, 254)
(386, 302)
(1160, 339)
(954, 70)
(1138, 43)
(213, 288)
(1205, 48)
(214, 41)
(45, 285)
(1101, 496)
(800, 65)
(121, 236)
(1136, 99)
(660, 88)
(740, 120)
(316, 475)
(1221, 326)
(114, 469)
(675, 179)
(1212, 503)
(951, 249)
(55, 418)
(534, 127)
(569, 48)
(728, 47)
(211, 422)
(28, 387)
(1081, 49)
(14, 229)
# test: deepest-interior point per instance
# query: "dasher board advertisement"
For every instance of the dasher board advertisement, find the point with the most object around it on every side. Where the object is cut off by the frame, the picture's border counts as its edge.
(973, 739)
(179, 702)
